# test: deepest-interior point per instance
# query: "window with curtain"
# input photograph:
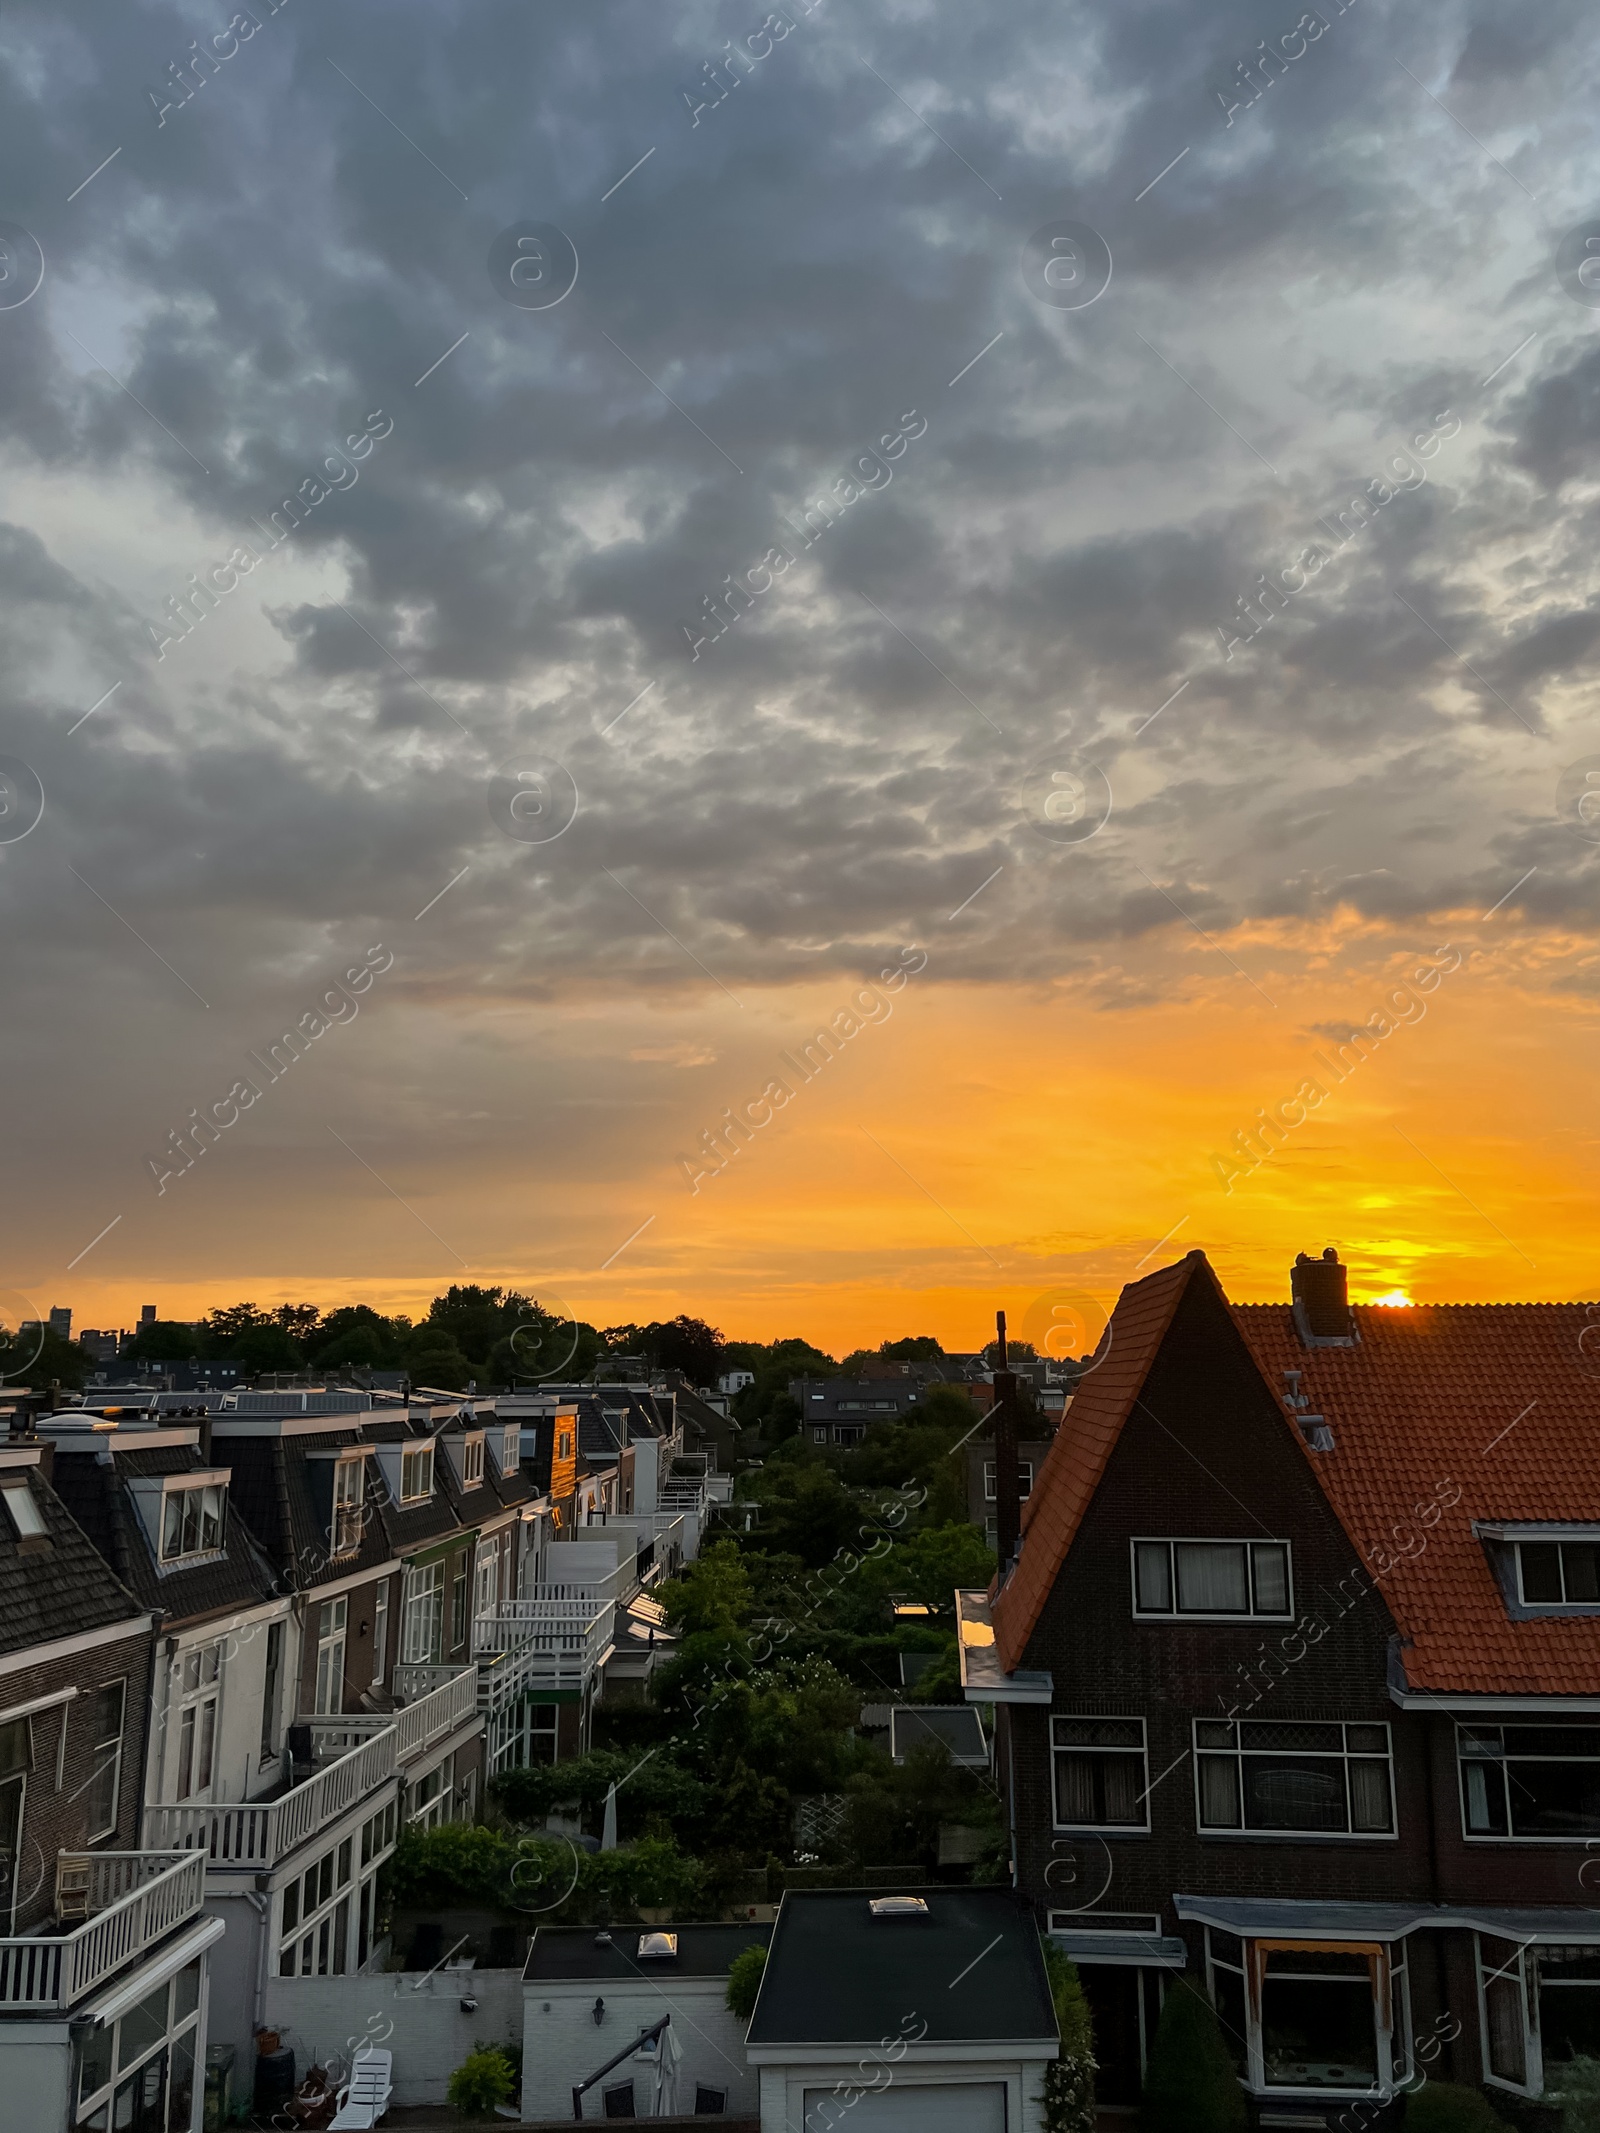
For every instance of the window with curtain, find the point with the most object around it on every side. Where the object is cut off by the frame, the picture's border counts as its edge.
(1211, 1577)
(1269, 1777)
(1101, 1779)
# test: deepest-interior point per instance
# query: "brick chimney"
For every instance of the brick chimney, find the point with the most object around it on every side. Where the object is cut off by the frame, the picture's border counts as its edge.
(1007, 1478)
(1321, 1292)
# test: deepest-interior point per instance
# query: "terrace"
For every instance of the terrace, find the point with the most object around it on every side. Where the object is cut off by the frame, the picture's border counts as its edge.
(127, 1902)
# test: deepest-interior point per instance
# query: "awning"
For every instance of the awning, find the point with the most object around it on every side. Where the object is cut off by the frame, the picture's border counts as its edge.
(159, 1963)
(1153, 1951)
(1292, 1918)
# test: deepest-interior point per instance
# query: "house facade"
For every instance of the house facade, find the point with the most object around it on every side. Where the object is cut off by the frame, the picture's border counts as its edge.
(105, 1948)
(1298, 1687)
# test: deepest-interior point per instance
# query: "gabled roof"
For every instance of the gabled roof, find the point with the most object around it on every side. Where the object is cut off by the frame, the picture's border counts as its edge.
(1077, 1457)
(1498, 1401)
(57, 1590)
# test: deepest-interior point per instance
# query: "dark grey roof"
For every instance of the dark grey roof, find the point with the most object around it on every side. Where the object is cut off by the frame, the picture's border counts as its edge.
(703, 1951)
(971, 1970)
(96, 1494)
(286, 1499)
(955, 1726)
(55, 1591)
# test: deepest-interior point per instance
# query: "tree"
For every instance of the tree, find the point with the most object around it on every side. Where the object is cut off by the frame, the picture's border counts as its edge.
(35, 1356)
(224, 1326)
(685, 1344)
(163, 1340)
(1069, 2083)
(713, 1592)
(744, 1980)
(433, 1358)
(1190, 2085)
(265, 1347)
(302, 1322)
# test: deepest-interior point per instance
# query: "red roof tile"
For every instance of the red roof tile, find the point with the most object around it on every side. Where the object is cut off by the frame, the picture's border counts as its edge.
(1077, 1456)
(1497, 1400)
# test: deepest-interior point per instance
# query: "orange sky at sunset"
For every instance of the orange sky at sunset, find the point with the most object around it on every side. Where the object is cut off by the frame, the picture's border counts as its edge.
(980, 1147)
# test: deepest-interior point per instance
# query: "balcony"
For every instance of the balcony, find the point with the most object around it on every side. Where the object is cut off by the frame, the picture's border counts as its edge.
(132, 1900)
(553, 1642)
(247, 1834)
(436, 1703)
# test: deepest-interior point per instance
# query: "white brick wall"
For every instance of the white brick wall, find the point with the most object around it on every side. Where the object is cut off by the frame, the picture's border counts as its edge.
(562, 2046)
(424, 2029)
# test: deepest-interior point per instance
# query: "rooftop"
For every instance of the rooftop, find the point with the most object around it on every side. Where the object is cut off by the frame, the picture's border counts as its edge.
(612, 1953)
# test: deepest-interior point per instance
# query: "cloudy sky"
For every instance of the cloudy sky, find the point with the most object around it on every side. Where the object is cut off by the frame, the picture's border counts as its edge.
(1170, 666)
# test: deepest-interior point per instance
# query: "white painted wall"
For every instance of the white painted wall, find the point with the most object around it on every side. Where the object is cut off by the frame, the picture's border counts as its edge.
(35, 2077)
(237, 1771)
(784, 2087)
(561, 2045)
(420, 2023)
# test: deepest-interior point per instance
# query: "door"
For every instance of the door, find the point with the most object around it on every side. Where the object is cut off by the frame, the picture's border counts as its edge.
(910, 2107)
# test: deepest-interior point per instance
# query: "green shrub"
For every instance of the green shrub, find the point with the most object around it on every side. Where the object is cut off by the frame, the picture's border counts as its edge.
(1190, 2085)
(483, 2079)
(744, 1980)
(1069, 2105)
(1575, 2086)
(459, 1862)
(1446, 2107)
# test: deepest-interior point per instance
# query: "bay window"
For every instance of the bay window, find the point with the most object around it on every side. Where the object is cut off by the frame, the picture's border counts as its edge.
(1282, 1777)
(1307, 2017)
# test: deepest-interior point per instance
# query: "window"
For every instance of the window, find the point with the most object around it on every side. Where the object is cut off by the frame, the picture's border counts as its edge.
(16, 1760)
(1569, 2004)
(511, 1449)
(193, 1711)
(416, 1474)
(349, 1487)
(1211, 1578)
(430, 1799)
(314, 1922)
(26, 1519)
(1024, 1479)
(104, 1712)
(331, 1620)
(1268, 1778)
(1225, 1962)
(1540, 1782)
(138, 2074)
(1504, 1984)
(619, 2099)
(1101, 1779)
(458, 1603)
(486, 1591)
(564, 1445)
(380, 1633)
(471, 1462)
(192, 1519)
(1559, 1573)
(1318, 2026)
(422, 1629)
(270, 1690)
(709, 2103)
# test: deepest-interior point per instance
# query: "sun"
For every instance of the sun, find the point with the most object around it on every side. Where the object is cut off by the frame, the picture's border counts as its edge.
(1396, 1300)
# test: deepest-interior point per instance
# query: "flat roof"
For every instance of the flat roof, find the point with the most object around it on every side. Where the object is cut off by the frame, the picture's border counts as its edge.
(968, 1969)
(708, 1950)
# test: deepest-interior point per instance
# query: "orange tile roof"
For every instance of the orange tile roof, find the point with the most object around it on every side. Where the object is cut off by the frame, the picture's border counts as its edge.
(1496, 1400)
(1082, 1444)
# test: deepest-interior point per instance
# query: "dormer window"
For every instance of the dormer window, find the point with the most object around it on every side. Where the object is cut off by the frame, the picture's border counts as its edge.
(1563, 1573)
(416, 1473)
(508, 1456)
(471, 1462)
(349, 1489)
(192, 1518)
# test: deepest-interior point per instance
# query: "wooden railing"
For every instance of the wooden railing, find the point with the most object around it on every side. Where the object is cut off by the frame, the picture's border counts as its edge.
(258, 1833)
(134, 1899)
(546, 1642)
(434, 1714)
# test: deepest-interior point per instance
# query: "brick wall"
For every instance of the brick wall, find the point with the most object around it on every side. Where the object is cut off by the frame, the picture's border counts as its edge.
(56, 1816)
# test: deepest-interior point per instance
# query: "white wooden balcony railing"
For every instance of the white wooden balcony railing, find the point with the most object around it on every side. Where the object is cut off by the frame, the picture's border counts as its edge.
(258, 1833)
(434, 1703)
(133, 1900)
(555, 1640)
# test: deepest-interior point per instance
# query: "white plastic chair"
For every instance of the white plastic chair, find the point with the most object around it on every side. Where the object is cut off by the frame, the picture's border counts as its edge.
(365, 2096)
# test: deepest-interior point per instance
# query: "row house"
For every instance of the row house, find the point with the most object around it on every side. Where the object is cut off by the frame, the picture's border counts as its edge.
(1296, 1668)
(106, 1948)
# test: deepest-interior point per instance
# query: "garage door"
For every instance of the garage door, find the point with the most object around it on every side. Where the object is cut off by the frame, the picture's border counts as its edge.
(907, 2107)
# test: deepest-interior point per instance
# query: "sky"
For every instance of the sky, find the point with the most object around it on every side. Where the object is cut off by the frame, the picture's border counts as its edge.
(554, 555)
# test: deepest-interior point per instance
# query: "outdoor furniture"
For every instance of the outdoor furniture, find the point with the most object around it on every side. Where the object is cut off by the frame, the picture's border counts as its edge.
(365, 2096)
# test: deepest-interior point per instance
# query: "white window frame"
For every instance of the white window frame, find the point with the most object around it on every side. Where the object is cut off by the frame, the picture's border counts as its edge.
(333, 1623)
(509, 1457)
(1173, 1541)
(380, 1633)
(1024, 1478)
(1105, 1718)
(115, 1743)
(1396, 2046)
(1559, 1542)
(349, 1505)
(1525, 1979)
(196, 1712)
(178, 1494)
(1586, 1721)
(82, 2107)
(422, 1609)
(485, 1578)
(416, 1459)
(471, 1462)
(1240, 1832)
(318, 1944)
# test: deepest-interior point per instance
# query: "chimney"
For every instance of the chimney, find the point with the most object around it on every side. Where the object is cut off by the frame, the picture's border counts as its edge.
(1007, 1482)
(1320, 1289)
